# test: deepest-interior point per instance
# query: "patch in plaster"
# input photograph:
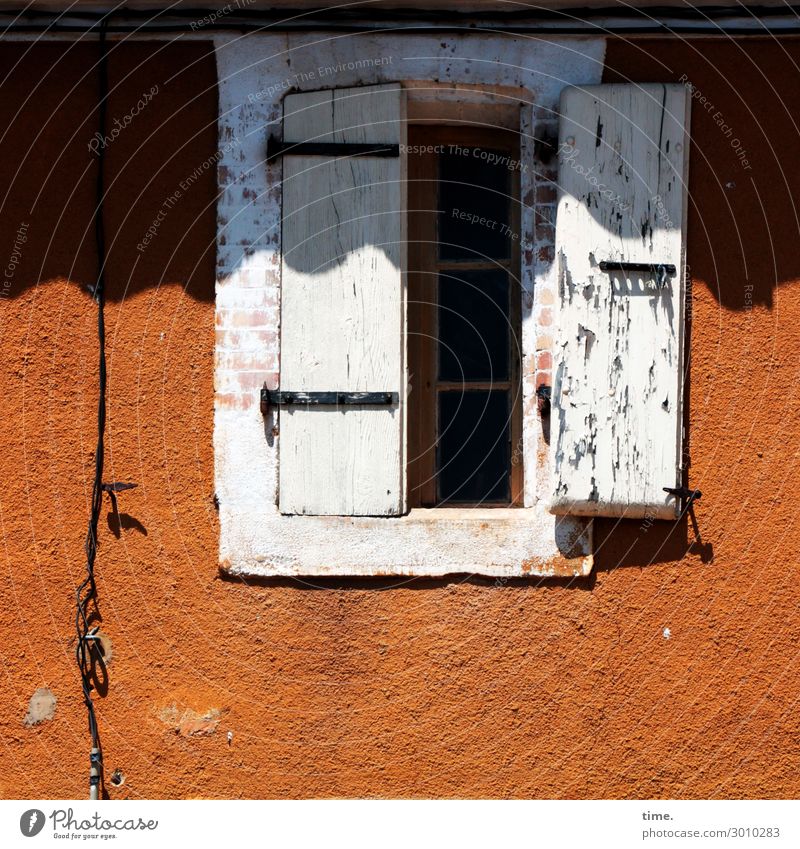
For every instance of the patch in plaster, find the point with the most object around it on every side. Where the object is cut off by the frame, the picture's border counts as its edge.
(189, 722)
(41, 707)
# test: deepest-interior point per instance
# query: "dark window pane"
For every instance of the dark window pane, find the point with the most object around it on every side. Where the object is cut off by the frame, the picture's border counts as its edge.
(474, 329)
(473, 450)
(474, 203)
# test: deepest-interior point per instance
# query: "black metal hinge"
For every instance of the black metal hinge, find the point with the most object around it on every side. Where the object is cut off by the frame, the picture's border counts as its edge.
(651, 267)
(282, 398)
(276, 147)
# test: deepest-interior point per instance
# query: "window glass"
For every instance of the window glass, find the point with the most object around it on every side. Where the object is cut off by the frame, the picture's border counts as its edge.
(464, 410)
(473, 325)
(473, 446)
(474, 187)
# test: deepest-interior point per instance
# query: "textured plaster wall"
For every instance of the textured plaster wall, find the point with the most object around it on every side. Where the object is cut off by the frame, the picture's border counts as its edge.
(671, 671)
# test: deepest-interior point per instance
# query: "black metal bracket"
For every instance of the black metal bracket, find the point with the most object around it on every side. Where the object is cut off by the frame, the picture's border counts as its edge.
(660, 270)
(685, 495)
(117, 486)
(282, 398)
(545, 147)
(543, 394)
(276, 147)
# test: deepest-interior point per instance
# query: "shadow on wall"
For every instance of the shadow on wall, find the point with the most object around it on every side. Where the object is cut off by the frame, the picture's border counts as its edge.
(160, 148)
(162, 155)
(620, 544)
(743, 171)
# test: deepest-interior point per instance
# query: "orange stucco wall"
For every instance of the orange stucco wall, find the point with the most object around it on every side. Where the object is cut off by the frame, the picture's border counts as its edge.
(357, 688)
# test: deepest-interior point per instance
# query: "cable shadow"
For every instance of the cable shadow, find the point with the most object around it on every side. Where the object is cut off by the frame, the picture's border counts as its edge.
(118, 522)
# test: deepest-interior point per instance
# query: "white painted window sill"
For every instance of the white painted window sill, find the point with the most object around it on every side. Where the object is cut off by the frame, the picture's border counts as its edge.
(503, 542)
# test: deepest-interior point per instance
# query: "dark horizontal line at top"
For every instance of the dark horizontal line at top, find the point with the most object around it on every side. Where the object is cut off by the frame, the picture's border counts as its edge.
(472, 385)
(473, 265)
(276, 147)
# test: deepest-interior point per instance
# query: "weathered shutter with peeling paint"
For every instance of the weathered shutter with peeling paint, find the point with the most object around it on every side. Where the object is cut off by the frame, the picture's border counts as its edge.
(616, 425)
(343, 310)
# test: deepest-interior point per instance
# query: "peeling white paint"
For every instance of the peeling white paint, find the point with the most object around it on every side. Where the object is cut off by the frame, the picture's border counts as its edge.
(618, 383)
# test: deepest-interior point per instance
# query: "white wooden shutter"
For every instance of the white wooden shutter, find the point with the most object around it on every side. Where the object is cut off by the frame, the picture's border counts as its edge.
(617, 389)
(343, 312)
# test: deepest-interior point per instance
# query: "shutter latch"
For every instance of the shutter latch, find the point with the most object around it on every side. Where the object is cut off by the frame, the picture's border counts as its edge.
(283, 398)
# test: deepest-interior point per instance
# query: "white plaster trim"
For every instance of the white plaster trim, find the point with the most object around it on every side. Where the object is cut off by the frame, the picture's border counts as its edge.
(504, 542)
(254, 74)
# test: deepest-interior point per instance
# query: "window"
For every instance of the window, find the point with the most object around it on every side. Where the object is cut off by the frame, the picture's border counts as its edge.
(463, 317)
(320, 490)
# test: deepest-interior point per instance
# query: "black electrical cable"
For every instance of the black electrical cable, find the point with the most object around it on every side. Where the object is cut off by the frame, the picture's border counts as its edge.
(86, 594)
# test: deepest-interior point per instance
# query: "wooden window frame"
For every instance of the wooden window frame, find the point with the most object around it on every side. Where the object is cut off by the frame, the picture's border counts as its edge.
(424, 268)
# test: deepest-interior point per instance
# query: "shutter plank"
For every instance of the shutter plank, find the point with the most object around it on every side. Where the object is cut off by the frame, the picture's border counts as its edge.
(617, 389)
(343, 305)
